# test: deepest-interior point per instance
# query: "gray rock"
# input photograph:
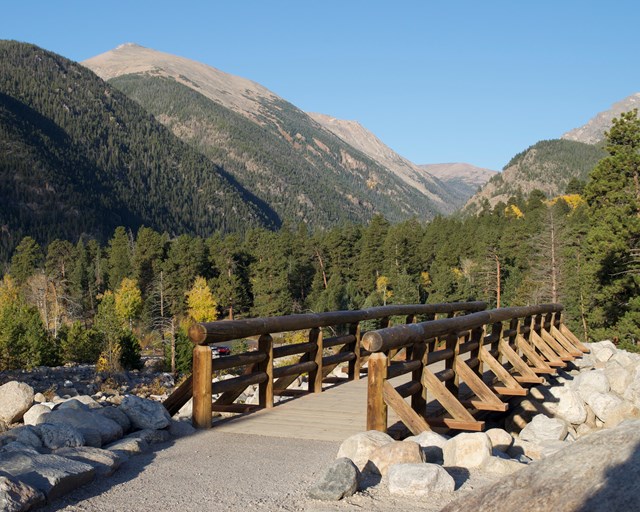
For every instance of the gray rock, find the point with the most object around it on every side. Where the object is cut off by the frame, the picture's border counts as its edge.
(16, 446)
(548, 448)
(359, 447)
(145, 413)
(105, 462)
(339, 481)
(431, 444)
(51, 474)
(419, 480)
(181, 428)
(59, 435)
(467, 450)
(27, 435)
(502, 466)
(85, 400)
(91, 436)
(129, 446)
(15, 399)
(599, 472)
(31, 417)
(16, 496)
(150, 436)
(402, 452)
(109, 429)
(115, 414)
(543, 428)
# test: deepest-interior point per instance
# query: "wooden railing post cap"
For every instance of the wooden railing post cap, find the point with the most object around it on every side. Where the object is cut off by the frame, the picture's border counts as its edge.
(372, 341)
(197, 334)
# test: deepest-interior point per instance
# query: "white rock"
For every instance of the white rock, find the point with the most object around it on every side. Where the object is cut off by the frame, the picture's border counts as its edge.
(584, 430)
(431, 444)
(594, 381)
(39, 398)
(543, 428)
(419, 480)
(526, 448)
(501, 466)
(15, 399)
(619, 377)
(467, 450)
(34, 413)
(569, 405)
(359, 447)
(500, 439)
(603, 404)
(403, 452)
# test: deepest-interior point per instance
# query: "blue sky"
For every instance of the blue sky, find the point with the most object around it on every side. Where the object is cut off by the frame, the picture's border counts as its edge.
(447, 81)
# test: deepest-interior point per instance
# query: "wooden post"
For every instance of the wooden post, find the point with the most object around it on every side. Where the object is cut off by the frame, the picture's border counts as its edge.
(201, 415)
(376, 406)
(356, 364)
(450, 364)
(265, 389)
(418, 400)
(315, 376)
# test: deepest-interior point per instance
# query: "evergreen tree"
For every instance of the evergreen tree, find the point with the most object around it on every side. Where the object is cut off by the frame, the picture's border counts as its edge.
(119, 257)
(26, 259)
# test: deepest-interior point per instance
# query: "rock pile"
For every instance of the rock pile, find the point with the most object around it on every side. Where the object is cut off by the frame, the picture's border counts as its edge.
(584, 402)
(48, 448)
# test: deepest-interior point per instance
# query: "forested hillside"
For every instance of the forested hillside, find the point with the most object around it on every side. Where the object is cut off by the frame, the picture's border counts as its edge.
(548, 165)
(82, 302)
(79, 157)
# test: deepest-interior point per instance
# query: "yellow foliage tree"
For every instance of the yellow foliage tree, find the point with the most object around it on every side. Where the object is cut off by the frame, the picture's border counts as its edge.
(513, 211)
(128, 300)
(9, 291)
(382, 287)
(201, 304)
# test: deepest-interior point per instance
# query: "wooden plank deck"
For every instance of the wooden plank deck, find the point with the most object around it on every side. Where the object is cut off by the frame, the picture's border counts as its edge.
(333, 415)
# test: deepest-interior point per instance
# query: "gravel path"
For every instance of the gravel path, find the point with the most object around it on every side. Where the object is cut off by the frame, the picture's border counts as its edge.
(235, 472)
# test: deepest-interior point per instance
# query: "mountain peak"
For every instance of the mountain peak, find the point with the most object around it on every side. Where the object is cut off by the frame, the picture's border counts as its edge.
(128, 45)
(593, 131)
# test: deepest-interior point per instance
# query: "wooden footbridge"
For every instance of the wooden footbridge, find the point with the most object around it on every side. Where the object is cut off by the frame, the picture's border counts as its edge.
(444, 367)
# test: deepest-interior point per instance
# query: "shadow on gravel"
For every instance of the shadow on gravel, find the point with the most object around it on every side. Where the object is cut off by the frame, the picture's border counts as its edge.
(129, 470)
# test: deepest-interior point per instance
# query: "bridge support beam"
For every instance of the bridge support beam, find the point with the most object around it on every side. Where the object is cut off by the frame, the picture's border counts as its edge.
(202, 377)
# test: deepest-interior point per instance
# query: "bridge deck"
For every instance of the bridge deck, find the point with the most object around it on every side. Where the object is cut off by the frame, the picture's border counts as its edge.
(333, 415)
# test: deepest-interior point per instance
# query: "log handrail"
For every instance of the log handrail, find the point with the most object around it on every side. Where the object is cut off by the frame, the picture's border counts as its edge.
(205, 333)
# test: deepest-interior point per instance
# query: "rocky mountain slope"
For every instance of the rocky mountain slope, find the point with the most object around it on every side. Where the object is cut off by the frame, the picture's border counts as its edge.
(362, 139)
(79, 157)
(593, 131)
(289, 161)
(547, 166)
(464, 179)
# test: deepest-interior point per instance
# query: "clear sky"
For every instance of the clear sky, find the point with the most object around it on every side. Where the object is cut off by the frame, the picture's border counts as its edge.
(438, 81)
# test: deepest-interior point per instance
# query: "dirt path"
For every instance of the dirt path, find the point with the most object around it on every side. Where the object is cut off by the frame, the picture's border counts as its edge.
(233, 472)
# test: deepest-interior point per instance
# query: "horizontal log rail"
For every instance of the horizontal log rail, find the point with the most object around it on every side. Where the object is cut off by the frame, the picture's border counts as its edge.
(488, 356)
(268, 367)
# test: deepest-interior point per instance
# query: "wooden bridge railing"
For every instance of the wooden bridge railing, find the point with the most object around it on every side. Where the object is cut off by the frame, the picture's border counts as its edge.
(312, 357)
(487, 356)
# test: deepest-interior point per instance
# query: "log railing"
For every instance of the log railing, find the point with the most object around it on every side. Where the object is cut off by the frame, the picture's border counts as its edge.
(316, 357)
(487, 357)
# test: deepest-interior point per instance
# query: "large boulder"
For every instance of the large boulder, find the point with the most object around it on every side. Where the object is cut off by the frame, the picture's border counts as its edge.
(105, 462)
(359, 447)
(32, 416)
(88, 420)
(599, 472)
(59, 436)
(51, 474)
(115, 414)
(339, 481)
(500, 439)
(587, 383)
(145, 413)
(569, 405)
(402, 452)
(543, 428)
(467, 450)
(25, 434)
(419, 480)
(15, 399)
(17, 496)
(604, 404)
(619, 377)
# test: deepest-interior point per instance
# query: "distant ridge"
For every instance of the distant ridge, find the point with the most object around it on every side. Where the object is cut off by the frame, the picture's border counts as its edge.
(464, 179)
(593, 131)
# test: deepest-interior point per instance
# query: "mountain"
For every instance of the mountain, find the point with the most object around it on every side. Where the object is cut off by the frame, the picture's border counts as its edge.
(593, 131)
(356, 135)
(272, 148)
(548, 166)
(79, 157)
(463, 179)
